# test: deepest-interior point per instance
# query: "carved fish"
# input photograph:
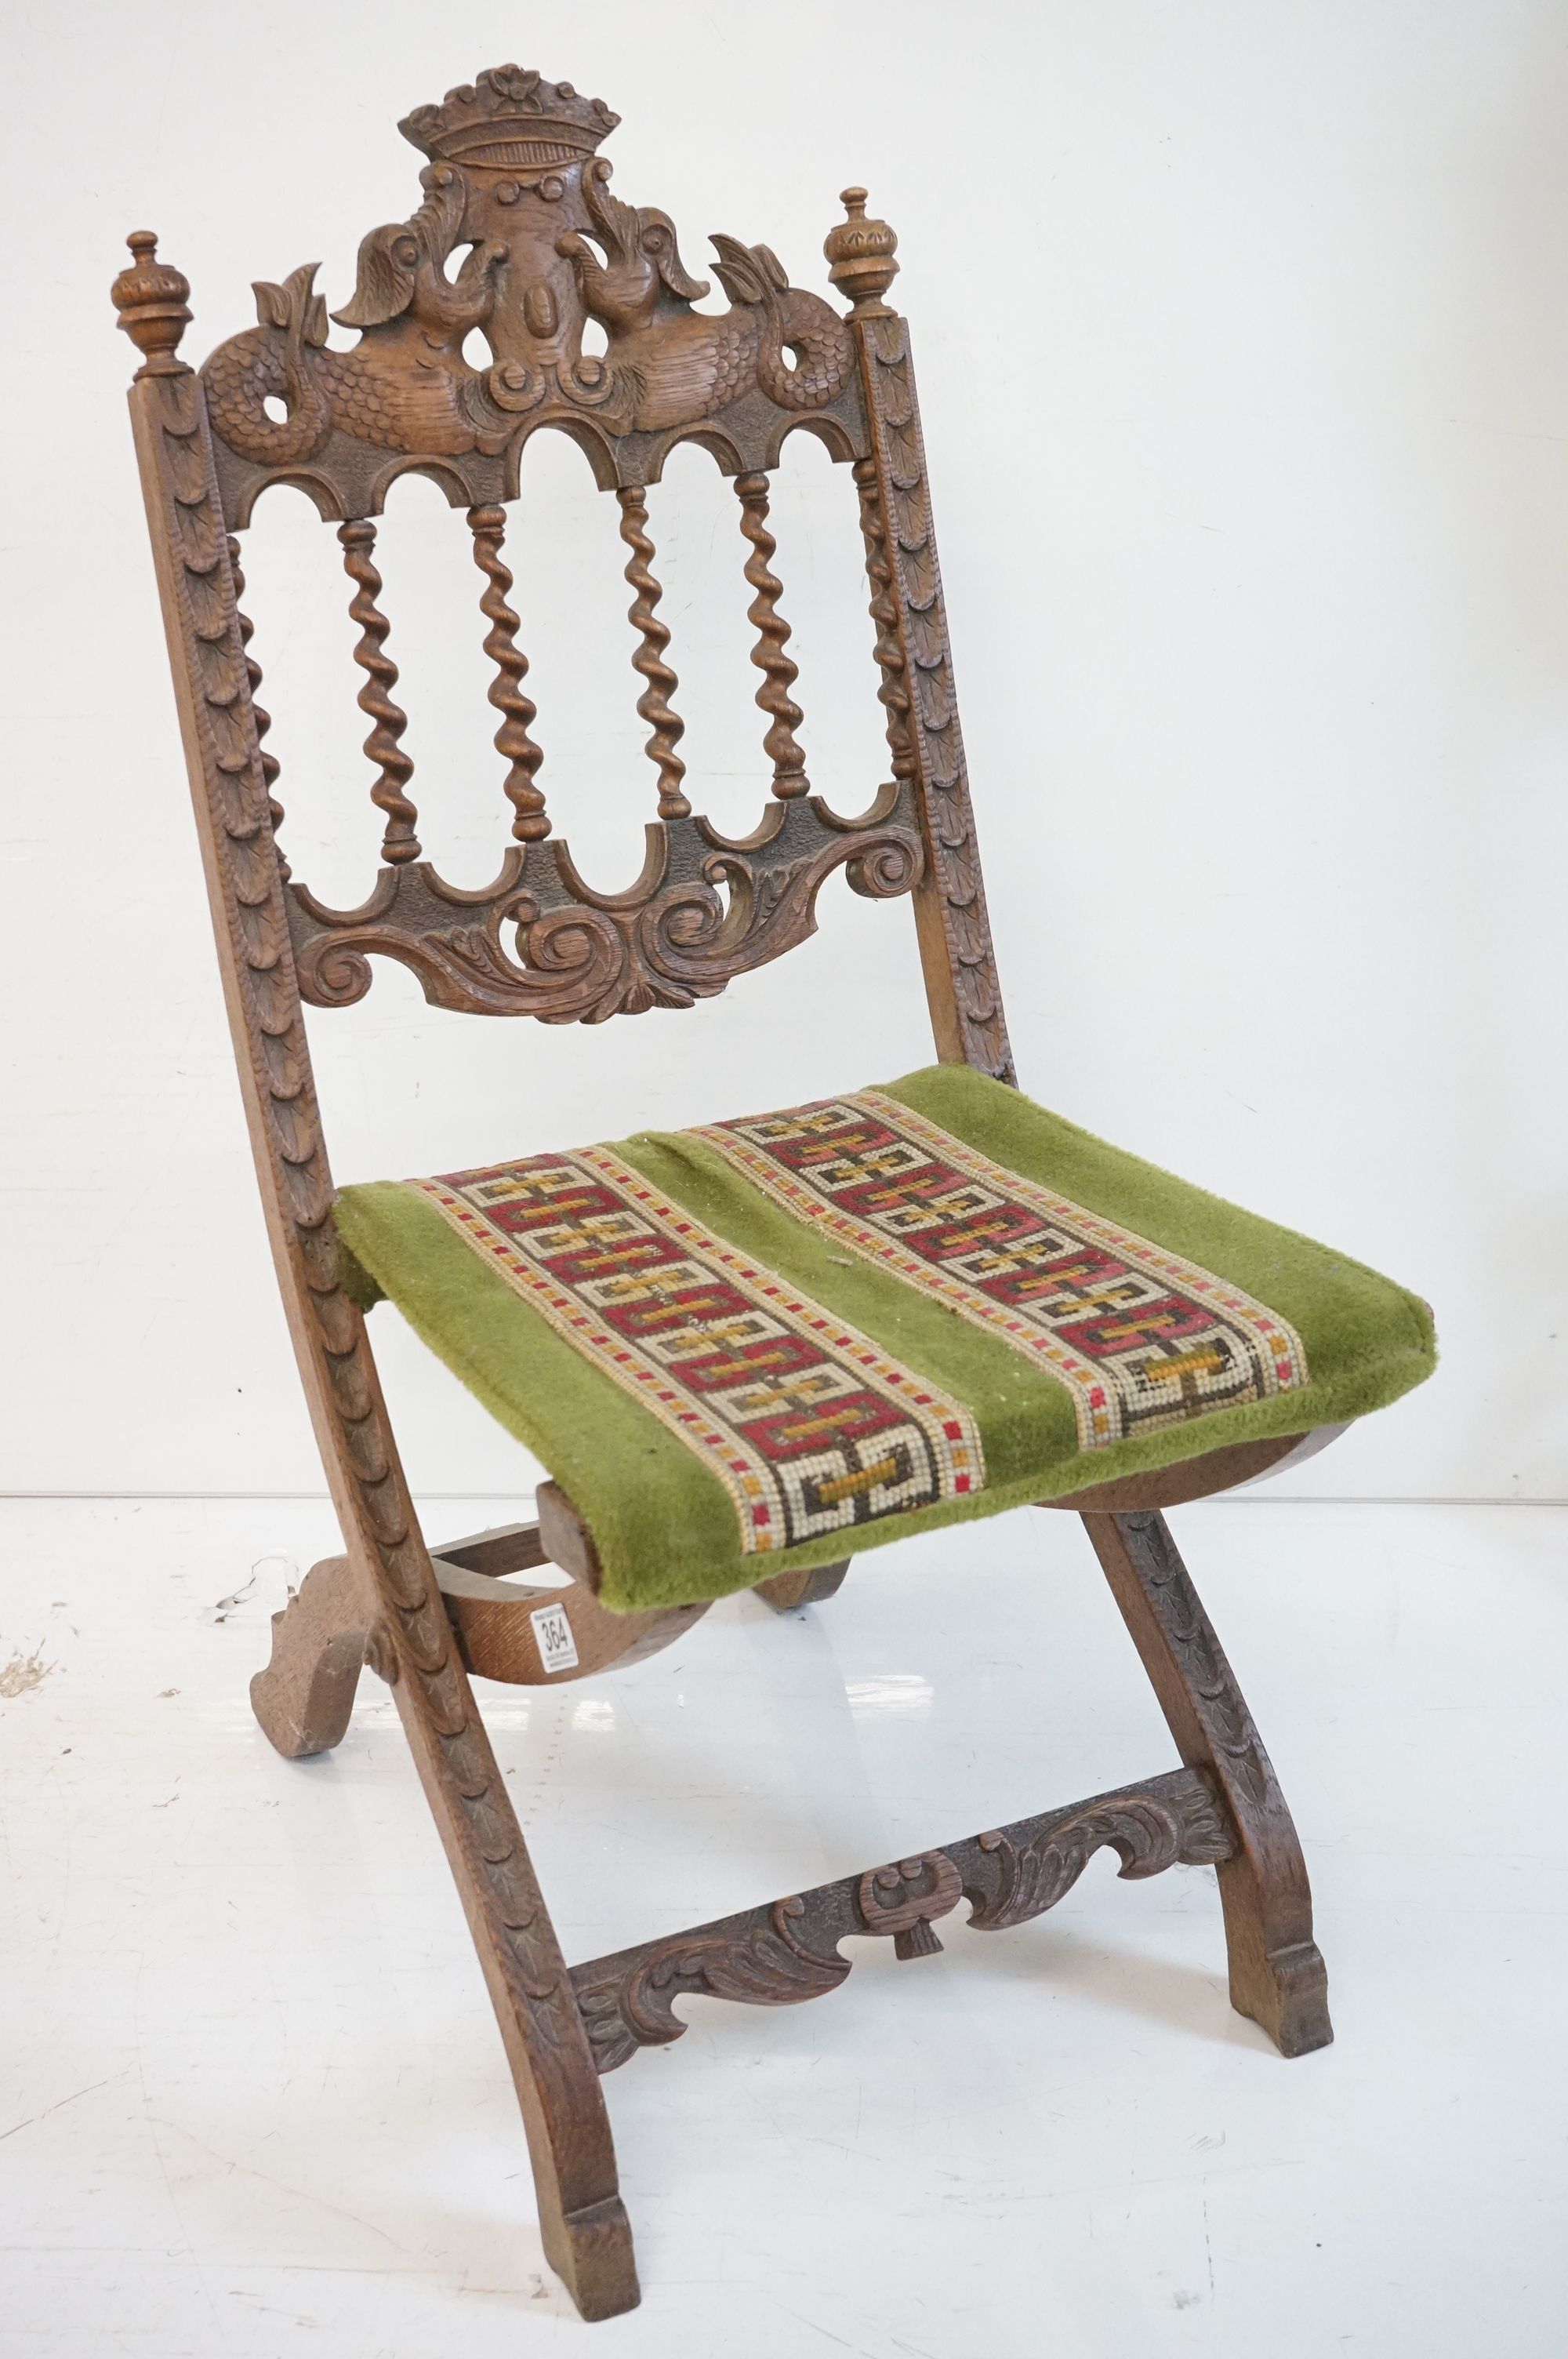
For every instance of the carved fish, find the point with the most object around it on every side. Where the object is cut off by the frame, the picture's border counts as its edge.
(405, 386)
(673, 364)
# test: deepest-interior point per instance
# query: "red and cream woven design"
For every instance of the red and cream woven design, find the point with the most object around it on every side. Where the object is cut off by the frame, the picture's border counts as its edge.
(1141, 1338)
(810, 1427)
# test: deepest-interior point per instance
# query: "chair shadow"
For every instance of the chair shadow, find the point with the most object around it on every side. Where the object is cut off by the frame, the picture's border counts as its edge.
(1190, 1999)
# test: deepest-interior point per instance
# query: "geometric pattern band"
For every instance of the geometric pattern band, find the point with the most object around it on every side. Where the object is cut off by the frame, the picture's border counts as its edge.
(1141, 1338)
(810, 1427)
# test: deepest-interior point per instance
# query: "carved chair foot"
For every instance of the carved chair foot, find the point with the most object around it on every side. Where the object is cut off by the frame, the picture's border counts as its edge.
(320, 1643)
(1286, 1993)
(1277, 1976)
(784, 1592)
(590, 2251)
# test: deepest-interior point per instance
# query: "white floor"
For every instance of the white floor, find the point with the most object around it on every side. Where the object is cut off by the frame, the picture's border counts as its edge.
(253, 2103)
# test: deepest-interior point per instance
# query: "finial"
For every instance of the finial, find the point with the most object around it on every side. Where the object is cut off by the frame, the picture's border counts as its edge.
(150, 298)
(861, 254)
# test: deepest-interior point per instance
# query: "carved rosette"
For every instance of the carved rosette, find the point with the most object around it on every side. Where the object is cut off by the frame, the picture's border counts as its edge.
(788, 1950)
(905, 1898)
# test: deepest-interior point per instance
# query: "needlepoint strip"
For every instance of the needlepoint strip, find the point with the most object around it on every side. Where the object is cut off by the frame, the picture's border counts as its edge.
(811, 1428)
(1141, 1338)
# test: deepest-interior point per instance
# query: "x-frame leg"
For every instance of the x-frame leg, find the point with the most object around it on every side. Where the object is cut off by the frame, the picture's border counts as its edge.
(1277, 1976)
(322, 1641)
(1222, 1809)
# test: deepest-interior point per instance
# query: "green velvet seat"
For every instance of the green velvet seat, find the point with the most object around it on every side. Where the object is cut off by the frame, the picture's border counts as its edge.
(763, 1346)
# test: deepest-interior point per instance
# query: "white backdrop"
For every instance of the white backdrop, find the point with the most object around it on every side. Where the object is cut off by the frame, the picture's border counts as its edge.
(1243, 342)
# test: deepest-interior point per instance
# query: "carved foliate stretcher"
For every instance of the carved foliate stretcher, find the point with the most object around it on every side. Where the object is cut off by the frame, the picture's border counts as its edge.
(804, 1333)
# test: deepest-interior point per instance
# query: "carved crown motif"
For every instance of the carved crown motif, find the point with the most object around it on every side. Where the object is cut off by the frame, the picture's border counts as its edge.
(510, 118)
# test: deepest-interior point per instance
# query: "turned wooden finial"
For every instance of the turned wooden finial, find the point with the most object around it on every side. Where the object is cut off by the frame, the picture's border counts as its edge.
(861, 254)
(150, 297)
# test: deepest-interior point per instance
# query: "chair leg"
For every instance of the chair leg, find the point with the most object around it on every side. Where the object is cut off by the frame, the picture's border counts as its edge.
(784, 1592)
(320, 1642)
(582, 2221)
(1277, 1976)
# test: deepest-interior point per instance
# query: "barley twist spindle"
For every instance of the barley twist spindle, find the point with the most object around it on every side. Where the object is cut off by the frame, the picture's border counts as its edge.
(388, 721)
(530, 822)
(653, 705)
(779, 673)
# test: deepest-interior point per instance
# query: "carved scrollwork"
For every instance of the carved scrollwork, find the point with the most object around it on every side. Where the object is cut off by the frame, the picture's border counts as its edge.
(788, 1950)
(886, 868)
(703, 911)
(770, 1966)
(1148, 1834)
(513, 175)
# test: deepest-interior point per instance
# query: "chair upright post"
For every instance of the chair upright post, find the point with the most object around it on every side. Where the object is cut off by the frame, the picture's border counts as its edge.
(584, 2226)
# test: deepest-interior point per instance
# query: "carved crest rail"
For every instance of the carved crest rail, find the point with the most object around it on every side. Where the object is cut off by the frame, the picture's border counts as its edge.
(512, 174)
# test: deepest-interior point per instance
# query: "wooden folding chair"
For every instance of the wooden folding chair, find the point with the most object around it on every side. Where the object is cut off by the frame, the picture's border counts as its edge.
(748, 1352)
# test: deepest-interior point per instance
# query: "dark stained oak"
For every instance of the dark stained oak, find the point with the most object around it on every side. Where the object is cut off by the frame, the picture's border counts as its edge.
(517, 240)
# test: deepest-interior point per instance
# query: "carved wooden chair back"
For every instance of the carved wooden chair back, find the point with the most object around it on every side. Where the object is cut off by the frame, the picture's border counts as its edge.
(514, 175)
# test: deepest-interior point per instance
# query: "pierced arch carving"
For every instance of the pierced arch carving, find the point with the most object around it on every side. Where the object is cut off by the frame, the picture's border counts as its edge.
(514, 180)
